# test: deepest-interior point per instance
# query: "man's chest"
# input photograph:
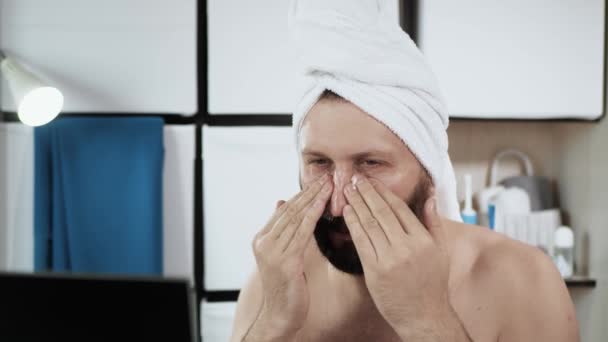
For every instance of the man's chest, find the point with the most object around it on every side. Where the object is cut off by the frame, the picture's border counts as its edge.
(336, 317)
(356, 331)
(332, 319)
(480, 325)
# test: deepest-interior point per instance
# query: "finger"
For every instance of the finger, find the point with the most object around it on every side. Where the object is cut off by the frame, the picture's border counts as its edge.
(280, 209)
(432, 221)
(268, 226)
(292, 217)
(381, 211)
(309, 187)
(304, 232)
(407, 218)
(278, 212)
(280, 203)
(368, 221)
(364, 246)
(308, 212)
(289, 211)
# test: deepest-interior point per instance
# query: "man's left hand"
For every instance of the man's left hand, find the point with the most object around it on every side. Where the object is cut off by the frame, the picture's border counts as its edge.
(405, 261)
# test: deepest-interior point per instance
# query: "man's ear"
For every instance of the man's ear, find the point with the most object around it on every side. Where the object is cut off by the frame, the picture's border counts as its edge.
(431, 191)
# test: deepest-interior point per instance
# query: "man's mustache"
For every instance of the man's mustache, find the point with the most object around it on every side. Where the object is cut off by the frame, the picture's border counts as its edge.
(330, 222)
(328, 217)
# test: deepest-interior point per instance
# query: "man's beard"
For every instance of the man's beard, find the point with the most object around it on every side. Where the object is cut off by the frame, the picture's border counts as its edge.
(343, 254)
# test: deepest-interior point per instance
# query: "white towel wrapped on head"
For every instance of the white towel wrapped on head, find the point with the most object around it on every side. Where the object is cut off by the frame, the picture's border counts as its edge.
(357, 50)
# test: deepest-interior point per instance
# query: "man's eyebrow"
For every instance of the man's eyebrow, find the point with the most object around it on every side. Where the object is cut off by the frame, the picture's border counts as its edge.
(371, 153)
(359, 155)
(312, 152)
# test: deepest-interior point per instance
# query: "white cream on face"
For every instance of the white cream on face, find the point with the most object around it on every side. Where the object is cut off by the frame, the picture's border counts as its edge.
(353, 181)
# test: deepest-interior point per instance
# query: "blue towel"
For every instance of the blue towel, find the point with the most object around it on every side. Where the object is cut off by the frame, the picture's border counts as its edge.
(98, 195)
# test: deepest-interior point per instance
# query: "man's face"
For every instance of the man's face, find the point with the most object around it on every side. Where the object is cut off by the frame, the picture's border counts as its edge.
(340, 139)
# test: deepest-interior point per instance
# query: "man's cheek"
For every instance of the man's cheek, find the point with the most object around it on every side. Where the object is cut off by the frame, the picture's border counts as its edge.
(396, 186)
(313, 172)
(310, 173)
(402, 187)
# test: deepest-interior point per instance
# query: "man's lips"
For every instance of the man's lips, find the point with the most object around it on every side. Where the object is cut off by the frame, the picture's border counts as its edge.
(339, 236)
(337, 231)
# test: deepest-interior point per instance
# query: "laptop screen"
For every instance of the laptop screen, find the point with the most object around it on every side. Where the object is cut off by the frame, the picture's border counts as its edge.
(49, 307)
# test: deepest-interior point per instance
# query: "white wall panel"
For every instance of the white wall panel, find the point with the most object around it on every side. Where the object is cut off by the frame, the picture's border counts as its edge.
(107, 56)
(251, 69)
(16, 197)
(216, 321)
(246, 171)
(517, 59)
(178, 201)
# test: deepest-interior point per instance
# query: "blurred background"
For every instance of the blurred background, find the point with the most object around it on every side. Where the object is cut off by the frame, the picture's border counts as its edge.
(174, 143)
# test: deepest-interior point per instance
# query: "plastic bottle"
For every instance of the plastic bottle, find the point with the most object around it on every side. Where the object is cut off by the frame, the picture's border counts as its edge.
(486, 210)
(469, 215)
(564, 251)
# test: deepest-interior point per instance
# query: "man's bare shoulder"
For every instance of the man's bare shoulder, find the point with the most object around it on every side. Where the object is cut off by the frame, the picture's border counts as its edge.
(504, 263)
(522, 282)
(508, 262)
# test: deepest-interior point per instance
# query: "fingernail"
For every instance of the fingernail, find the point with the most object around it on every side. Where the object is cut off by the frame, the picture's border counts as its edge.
(354, 181)
(326, 187)
(347, 209)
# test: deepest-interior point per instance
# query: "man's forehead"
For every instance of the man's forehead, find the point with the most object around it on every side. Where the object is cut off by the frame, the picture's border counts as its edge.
(340, 125)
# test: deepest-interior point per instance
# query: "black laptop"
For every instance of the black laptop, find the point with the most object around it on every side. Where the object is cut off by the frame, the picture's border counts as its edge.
(72, 307)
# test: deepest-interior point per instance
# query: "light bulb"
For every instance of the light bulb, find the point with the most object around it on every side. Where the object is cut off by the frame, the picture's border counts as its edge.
(37, 103)
(40, 105)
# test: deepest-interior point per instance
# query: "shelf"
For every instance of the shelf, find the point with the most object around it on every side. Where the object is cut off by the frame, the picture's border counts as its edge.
(580, 282)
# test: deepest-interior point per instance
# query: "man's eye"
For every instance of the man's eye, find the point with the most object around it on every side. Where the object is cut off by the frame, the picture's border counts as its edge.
(371, 162)
(318, 161)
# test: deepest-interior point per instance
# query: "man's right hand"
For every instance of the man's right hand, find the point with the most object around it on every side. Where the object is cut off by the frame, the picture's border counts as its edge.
(279, 251)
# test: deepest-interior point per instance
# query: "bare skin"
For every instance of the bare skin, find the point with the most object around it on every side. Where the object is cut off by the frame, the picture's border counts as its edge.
(425, 280)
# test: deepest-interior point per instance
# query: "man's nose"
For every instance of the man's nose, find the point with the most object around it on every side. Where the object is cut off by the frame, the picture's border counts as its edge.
(341, 179)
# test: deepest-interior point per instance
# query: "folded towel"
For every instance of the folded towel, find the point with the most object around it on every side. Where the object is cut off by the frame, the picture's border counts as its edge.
(357, 50)
(98, 195)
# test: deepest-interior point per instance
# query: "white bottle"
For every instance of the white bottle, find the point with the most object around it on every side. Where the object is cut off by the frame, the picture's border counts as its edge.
(469, 215)
(563, 253)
